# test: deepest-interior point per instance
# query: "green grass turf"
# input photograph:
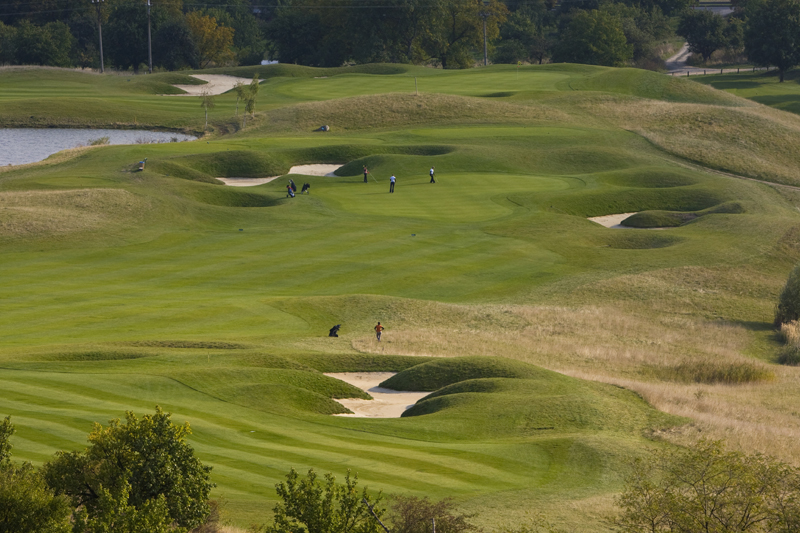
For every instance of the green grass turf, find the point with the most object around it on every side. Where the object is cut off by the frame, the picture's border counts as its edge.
(762, 87)
(122, 290)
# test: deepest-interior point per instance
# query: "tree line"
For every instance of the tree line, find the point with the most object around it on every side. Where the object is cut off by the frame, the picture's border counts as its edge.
(65, 33)
(446, 33)
(325, 33)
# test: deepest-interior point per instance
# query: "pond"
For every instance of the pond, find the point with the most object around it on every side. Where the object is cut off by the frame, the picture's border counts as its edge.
(28, 145)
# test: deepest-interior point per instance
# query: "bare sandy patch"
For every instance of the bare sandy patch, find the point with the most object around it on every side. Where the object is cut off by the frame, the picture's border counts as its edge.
(612, 221)
(315, 170)
(216, 84)
(386, 403)
(246, 182)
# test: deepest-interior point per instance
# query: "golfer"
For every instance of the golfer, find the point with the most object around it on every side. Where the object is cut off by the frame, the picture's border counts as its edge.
(365, 173)
(391, 183)
(433, 180)
(378, 330)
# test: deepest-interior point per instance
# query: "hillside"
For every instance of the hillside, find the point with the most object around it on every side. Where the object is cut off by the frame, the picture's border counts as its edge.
(585, 345)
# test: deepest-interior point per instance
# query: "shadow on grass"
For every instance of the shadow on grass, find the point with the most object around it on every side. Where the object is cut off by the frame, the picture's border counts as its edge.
(739, 84)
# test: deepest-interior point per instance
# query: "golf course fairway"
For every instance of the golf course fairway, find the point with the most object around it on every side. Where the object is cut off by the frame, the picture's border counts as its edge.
(556, 349)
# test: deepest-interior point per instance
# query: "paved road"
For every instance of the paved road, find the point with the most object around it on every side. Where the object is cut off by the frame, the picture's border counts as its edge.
(676, 66)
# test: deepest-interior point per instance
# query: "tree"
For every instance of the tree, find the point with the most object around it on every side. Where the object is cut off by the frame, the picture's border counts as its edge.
(8, 47)
(174, 47)
(706, 488)
(526, 35)
(703, 30)
(125, 35)
(134, 465)
(27, 505)
(459, 29)
(594, 38)
(249, 94)
(50, 44)
(252, 94)
(788, 308)
(206, 102)
(309, 504)
(6, 431)
(241, 94)
(772, 36)
(410, 514)
(214, 42)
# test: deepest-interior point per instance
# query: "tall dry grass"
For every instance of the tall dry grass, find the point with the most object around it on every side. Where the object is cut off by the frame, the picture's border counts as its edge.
(790, 334)
(684, 366)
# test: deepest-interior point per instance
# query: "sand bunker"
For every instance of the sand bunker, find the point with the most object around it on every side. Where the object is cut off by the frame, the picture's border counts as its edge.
(315, 170)
(387, 403)
(217, 84)
(612, 221)
(307, 170)
(246, 182)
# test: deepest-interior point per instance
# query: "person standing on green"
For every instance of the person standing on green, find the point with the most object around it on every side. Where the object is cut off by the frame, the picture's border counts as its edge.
(365, 173)
(391, 183)
(433, 180)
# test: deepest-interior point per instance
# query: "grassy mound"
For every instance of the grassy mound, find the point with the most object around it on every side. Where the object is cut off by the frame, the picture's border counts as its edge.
(282, 70)
(654, 177)
(658, 219)
(96, 355)
(438, 373)
(233, 197)
(672, 219)
(656, 86)
(637, 240)
(273, 389)
(604, 201)
(191, 345)
(396, 110)
(550, 403)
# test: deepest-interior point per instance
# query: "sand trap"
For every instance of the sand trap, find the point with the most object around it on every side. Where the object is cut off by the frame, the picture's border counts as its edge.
(315, 170)
(306, 170)
(612, 221)
(246, 182)
(217, 84)
(387, 403)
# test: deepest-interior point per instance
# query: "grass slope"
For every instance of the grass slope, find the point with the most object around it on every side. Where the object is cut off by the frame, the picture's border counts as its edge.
(125, 289)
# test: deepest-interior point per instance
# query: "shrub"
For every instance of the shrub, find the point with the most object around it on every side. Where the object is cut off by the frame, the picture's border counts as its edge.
(313, 505)
(410, 514)
(707, 488)
(788, 308)
(99, 142)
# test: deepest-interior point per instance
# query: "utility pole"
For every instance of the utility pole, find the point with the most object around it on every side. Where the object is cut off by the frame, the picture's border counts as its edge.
(149, 41)
(484, 15)
(100, 31)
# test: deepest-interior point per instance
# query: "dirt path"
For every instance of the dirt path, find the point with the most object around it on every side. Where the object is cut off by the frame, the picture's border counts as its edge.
(676, 66)
(386, 403)
(217, 84)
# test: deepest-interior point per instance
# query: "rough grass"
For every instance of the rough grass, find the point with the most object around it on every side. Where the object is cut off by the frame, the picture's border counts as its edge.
(790, 334)
(398, 110)
(34, 214)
